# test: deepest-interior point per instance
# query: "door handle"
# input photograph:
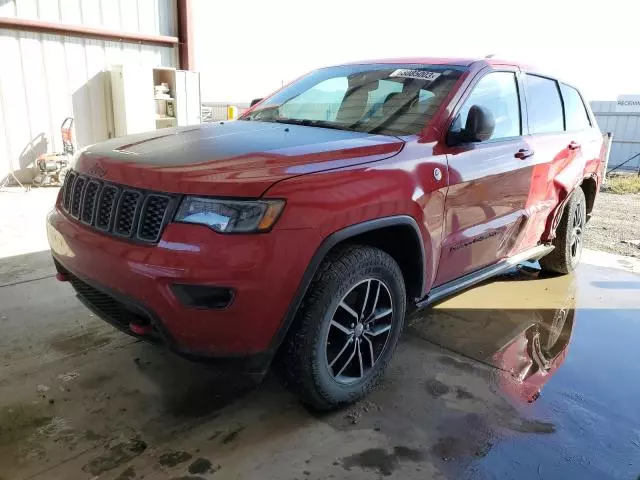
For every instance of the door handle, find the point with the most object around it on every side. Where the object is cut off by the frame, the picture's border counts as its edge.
(573, 146)
(524, 153)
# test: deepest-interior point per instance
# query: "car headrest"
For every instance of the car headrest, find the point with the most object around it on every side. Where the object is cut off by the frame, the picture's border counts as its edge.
(396, 101)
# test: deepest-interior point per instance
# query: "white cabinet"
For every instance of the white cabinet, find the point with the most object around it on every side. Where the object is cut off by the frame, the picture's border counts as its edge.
(192, 100)
(139, 107)
(132, 93)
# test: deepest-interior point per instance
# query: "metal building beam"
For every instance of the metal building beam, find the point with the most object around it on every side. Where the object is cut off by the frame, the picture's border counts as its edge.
(185, 34)
(85, 32)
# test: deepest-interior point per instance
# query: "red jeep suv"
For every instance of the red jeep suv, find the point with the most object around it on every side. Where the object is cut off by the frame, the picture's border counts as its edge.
(306, 229)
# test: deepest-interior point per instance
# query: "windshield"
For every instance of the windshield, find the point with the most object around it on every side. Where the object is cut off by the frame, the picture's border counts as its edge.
(387, 99)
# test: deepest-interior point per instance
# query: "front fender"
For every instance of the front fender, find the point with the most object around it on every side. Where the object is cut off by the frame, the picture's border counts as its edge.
(320, 254)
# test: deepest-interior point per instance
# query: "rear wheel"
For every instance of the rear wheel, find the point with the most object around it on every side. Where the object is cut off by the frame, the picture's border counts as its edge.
(346, 329)
(569, 237)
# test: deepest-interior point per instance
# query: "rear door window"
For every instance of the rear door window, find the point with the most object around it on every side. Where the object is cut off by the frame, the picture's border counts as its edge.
(575, 111)
(544, 105)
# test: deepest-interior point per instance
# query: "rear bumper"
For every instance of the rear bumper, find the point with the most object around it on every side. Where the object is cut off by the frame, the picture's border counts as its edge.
(125, 282)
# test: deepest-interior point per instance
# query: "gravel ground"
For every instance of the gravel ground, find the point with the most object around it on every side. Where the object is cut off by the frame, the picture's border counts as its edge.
(615, 218)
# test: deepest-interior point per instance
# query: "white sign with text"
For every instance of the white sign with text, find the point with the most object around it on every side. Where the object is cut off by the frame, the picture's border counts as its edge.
(628, 103)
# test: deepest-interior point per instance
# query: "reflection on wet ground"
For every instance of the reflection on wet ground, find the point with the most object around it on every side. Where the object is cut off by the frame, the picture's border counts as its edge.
(524, 377)
(563, 349)
(525, 337)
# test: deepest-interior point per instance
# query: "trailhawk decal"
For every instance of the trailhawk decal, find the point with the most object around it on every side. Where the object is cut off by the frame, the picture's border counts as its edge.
(417, 74)
(468, 243)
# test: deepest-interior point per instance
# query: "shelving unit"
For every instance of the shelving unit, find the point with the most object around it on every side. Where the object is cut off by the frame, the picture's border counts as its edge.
(165, 106)
(137, 108)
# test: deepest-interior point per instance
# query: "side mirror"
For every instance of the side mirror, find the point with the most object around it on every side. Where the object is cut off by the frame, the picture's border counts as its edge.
(479, 127)
(255, 100)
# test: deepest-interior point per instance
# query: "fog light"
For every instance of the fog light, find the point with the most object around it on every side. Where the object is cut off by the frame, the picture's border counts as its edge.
(61, 277)
(203, 296)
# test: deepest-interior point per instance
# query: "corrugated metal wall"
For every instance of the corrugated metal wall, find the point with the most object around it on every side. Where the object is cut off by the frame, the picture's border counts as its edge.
(45, 78)
(625, 127)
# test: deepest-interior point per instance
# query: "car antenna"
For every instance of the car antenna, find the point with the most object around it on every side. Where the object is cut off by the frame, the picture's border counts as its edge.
(491, 55)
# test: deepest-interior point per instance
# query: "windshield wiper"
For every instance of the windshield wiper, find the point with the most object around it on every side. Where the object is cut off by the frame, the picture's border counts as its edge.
(312, 123)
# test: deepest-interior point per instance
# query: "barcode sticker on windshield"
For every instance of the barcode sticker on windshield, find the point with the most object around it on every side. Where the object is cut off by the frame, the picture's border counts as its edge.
(417, 74)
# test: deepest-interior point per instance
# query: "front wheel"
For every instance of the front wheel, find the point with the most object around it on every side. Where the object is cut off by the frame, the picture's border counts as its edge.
(569, 237)
(346, 329)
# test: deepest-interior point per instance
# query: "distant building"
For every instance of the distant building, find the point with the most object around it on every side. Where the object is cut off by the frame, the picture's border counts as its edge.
(622, 118)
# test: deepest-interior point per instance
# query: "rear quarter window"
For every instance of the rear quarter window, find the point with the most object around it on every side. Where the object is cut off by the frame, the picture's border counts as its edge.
(574, 108)
(544, 105)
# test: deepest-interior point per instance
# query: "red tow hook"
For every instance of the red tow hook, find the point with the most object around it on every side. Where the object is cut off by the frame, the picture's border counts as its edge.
(140, 329)
(61, 277)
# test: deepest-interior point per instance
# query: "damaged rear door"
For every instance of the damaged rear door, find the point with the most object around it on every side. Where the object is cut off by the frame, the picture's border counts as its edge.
(558, 140)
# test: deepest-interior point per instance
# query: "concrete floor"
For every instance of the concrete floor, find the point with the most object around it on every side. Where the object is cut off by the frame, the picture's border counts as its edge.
(523, 377)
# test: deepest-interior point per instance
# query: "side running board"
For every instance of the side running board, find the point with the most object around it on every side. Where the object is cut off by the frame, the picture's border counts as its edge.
(481, 275)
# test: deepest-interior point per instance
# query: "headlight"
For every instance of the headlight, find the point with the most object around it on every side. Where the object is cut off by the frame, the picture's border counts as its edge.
(230, 216)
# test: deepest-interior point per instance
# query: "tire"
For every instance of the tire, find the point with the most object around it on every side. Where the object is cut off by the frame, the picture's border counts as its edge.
(565, 257)
(314, 360)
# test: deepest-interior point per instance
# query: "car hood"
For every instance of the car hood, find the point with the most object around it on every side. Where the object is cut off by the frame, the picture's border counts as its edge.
(239, 158)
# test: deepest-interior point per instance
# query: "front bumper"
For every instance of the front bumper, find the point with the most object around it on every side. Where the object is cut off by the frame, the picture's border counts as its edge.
(128, 282)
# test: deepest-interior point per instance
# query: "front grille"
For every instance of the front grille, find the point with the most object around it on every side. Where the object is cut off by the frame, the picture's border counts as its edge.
(106, 207)
(66, 190)
(76, 196)
(154, 212)
(127, 212)
(89, 202)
